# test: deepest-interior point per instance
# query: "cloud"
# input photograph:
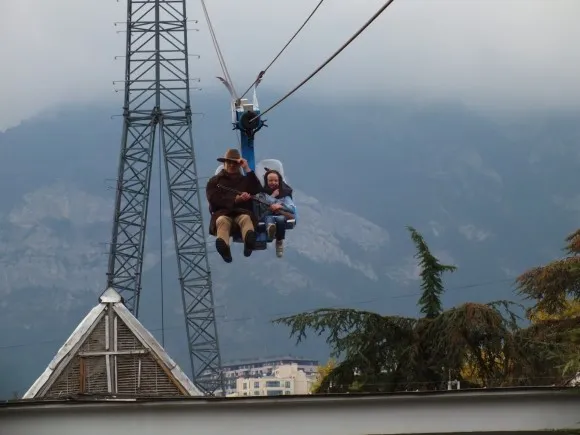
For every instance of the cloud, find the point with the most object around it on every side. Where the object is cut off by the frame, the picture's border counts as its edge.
(508, 53)
(472, 233)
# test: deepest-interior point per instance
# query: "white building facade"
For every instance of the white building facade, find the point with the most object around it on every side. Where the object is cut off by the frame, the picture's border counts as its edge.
(265, 368)
(285, 380)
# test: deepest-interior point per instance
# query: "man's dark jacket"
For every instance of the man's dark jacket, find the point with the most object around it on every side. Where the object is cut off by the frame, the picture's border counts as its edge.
(222, 202)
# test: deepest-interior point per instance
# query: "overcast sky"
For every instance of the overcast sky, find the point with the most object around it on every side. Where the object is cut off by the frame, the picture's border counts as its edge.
(496, 53)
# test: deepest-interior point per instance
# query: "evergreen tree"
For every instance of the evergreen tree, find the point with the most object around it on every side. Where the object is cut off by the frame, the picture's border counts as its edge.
(390, 353)
(431, 272)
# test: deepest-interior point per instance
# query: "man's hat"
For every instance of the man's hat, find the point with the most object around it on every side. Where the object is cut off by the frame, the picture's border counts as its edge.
(232, 155)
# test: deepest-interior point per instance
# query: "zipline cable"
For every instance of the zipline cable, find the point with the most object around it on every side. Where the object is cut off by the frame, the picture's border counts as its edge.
(216, 45)
(283, 48)
(215, 42)
(218, 51)
(317, 70)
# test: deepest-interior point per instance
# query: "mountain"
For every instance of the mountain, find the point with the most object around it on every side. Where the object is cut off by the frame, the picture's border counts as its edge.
(493, 197)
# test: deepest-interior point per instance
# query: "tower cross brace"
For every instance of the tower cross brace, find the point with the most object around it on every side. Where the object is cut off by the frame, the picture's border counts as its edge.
(157, 105)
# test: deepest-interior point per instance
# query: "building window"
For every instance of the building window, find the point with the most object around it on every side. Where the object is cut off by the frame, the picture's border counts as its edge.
(287, 393)
(287, 385)
(245, 385)
(272, 384)
(256, 393)
(274, 392)
(257, 384)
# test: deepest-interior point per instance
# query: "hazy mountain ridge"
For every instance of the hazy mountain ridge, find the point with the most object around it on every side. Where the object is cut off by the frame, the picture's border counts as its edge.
(492, 198)
(54, 264)
(62, 222)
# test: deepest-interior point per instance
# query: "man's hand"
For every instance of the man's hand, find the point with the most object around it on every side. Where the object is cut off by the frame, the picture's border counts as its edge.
(244, 164)
(276, 207)
(243, 197)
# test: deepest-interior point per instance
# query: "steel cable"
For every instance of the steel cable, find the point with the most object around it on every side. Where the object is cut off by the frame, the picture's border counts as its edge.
(336, 53)
(283, 48)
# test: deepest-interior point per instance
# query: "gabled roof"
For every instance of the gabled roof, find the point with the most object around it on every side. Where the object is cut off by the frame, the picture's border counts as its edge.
(112, 353)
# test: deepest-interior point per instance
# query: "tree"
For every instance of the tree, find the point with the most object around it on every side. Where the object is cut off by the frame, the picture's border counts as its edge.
(555, 317)
(390, 353)
(570, 310)
(431, 272)
(322, 373)
(553, 284)
(560, 334)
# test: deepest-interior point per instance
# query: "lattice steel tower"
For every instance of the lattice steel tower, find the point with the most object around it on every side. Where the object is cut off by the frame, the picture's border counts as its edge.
(157, 101)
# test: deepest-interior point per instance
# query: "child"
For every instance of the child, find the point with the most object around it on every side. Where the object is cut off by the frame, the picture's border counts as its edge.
(282, 208)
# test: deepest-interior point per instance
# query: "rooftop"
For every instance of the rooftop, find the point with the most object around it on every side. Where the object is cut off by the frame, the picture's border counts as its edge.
(111, 352)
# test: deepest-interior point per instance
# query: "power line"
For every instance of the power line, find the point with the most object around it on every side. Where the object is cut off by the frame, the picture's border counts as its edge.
(317, 70)
(348, 304)
(283, 48)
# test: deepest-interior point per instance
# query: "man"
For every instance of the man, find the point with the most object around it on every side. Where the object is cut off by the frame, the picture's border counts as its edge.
(230, 211)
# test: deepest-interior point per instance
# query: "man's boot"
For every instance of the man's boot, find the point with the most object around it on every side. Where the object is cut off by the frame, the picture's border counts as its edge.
(223, 249)
(249, 243)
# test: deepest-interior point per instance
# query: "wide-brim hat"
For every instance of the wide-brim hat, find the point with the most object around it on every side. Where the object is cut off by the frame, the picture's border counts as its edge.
(232, 155)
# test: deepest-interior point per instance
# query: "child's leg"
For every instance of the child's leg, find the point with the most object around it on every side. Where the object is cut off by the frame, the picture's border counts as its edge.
(270, 222)
(280, 235)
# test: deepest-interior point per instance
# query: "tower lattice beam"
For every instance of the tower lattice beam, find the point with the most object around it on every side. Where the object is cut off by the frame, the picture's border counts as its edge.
(157, 104)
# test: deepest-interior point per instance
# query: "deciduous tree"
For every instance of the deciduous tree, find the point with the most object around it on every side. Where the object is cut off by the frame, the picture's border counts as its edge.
(555, 330)
(322, 373)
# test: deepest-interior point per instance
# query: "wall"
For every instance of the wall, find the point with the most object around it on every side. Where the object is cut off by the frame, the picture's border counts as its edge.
(411, 413)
